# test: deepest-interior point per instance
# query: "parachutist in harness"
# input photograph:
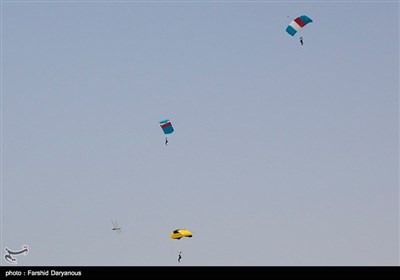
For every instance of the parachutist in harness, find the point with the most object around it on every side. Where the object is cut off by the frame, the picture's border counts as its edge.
(180, 257)
(301, 40)
(166, 141)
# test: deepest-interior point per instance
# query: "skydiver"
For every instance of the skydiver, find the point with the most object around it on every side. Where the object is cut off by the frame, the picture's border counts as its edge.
(301, 40)
(180, 257)
(166, 141)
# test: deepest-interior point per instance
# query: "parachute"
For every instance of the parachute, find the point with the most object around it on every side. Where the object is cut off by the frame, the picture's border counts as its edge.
(166, 126)
(179, 233)
(297, 24)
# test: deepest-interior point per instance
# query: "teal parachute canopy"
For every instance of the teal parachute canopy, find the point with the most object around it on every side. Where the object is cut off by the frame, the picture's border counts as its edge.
(166, 126)
(297, 24)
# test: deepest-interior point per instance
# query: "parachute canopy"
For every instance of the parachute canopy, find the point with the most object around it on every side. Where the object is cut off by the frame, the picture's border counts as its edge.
(166, 126)
(179, 233)
(297, 24)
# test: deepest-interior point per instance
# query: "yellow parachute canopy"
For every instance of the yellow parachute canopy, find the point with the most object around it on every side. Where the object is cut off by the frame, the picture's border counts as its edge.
(179, 233)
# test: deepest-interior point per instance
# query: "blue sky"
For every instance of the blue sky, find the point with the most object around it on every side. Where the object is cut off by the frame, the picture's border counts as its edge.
(282, 154)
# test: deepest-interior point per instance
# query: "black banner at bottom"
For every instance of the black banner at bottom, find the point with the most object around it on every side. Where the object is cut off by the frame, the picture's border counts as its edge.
(281, 272)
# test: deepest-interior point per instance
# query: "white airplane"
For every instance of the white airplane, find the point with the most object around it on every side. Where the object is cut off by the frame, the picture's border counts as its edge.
(116, 227)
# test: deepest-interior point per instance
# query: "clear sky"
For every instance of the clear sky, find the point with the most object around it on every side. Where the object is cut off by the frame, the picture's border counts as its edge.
(283, 154)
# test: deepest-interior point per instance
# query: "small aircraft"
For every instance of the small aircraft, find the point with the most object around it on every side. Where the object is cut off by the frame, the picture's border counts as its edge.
(116, 227)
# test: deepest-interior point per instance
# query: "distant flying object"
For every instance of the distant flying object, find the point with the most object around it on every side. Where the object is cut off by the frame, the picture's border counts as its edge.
(297, 24)
(179, 233)
(167, 128)
(116, 227)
